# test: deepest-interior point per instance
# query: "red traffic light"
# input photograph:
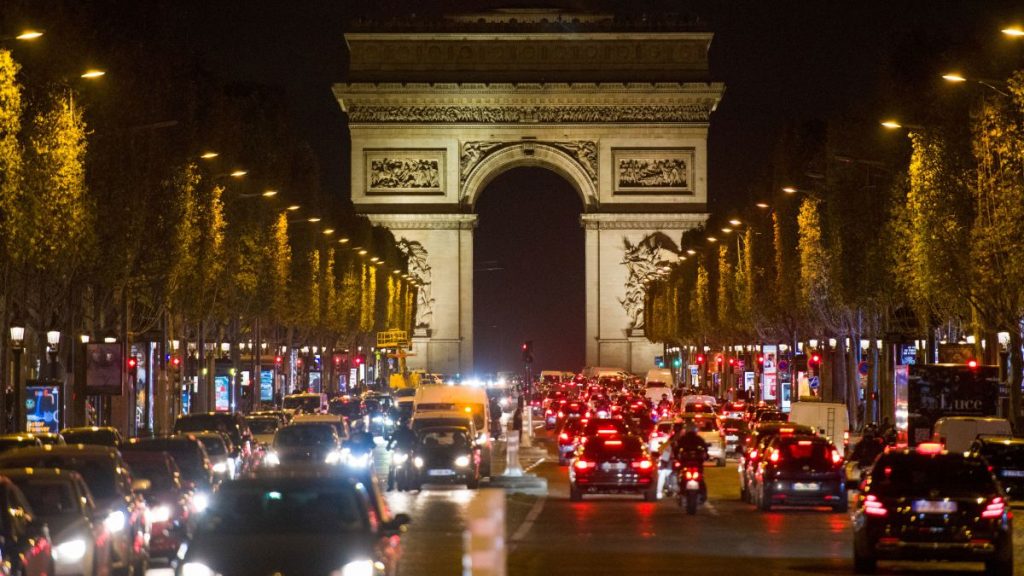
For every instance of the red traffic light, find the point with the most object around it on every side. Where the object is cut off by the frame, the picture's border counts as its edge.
(700, 358)
(132, 363)
(278, 359)
(972, 363)
(760, 359)
(175, 361)
(359, 359)
(815, 359)
(718, 359)
(732, 361)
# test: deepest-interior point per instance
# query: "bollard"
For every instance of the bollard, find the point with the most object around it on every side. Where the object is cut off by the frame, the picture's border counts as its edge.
(512, 467)
(528, 428)
(484, 537)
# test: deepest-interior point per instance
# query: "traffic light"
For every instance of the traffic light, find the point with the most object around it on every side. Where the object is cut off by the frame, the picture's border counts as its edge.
(359, 359)
(677, 362)
(133, 366)
(175, 362)
(760, 359)
(527, 349)
(700, 358)
(814, 360)
(278, 360)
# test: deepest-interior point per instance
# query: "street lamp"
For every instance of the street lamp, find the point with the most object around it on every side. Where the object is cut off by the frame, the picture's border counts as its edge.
(93, 73)
(209, 155)
(957, 78)
(17, 347)
(28, 35)
(53, 338)
(1013, 31)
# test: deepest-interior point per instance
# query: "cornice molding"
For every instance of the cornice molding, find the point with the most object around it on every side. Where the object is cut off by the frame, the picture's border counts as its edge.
(613, 221)
(425, 221)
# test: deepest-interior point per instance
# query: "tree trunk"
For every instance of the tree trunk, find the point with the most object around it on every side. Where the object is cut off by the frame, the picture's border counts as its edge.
(1016, 377)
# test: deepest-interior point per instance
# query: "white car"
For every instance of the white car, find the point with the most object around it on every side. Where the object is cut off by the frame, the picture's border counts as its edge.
(710, 429)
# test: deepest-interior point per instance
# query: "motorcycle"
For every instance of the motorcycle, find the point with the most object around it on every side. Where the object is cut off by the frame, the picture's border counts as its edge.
(689, 488)
(398, 471)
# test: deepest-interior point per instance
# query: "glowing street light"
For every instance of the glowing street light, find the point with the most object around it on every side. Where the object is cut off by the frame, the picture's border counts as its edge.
(328, 231)
(93, 73)
(762, 205)
(238, 173)
(712, 239)
(691, 251)
(314, 219)
(270, 193)
(735, 222)
(789, 189)
(342, 240)
(1013, 31)
(28, 35)
(293, 208)
(892, 124)
(953, 77)
(209, 155)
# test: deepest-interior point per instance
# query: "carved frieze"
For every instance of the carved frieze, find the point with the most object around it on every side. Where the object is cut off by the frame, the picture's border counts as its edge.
(404, 171)
(584, 152)
(652, 170)
(461, 114)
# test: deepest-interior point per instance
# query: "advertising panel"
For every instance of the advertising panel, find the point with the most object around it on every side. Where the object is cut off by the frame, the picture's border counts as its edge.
(769, 392)
(222, 393)
(104, 369)
(42, 408)
(266, 385)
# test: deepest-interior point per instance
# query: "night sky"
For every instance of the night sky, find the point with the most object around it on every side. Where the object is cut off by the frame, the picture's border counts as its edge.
(781, 61)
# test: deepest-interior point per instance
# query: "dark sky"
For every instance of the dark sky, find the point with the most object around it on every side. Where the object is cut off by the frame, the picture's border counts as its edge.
(781, 61)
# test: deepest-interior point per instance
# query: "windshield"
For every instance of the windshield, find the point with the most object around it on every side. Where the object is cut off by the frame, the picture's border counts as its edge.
(628, 446)
(11, 444)
(348, 408)
(264, 425)
(98, 473)
(947, 474)
(256, 510)
(48, 498)
(203, 422)
(1003, 455)
(145, 467)
(305, 403)
(306, 435)
(187, 456)
(214, 446)
(702, 424)
(444, 439)
(101, 437)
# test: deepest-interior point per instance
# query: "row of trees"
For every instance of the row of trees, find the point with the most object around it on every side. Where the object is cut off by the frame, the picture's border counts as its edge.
(113, 222)
(870, 243)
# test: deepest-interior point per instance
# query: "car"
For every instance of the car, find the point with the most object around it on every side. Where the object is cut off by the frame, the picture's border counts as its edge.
(61, 500)
(169, 506)
(10, 442)
(737, 409)
(376, 409)
(122, 509)
(926, 503)
(753, 447)
(97, 435)
(1005, 454)
(305, 443)
(305, 403)
(49, 438)
(25, 543)
(708, 428)
(339, 422)
(958, 432)
(571, 410)
(733, 432)
(263, 427)
(189, 455)
(348, 406)
(568, 434)
(800, 470)
(259, 521)
(218, 449)
(618, 464)
(698, 408)
(551, 413)
(234, 425)
(446, 454)
(770, 415)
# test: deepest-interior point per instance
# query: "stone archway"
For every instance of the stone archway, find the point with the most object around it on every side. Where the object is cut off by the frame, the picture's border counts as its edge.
(434, 117)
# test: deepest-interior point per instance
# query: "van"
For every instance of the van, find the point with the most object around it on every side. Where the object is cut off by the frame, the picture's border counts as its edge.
(658, 382)
(958, 432)
(594, 372)
(829, 419)
(468, 399)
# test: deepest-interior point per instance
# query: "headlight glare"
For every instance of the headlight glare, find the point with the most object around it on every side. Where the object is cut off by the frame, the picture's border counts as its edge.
(160, 513)
(200, 501)
(220, 467)
(70, 551)
(115, 521)
(333, 457)
(399, 457)
(196, 569)
(271, 459)
(356, 568)
(418, 462)
(462, 461)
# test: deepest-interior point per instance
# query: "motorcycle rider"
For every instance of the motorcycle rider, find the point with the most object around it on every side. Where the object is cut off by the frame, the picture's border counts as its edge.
(691, 451)
(665, 405)
(402, 440)
(361, 441)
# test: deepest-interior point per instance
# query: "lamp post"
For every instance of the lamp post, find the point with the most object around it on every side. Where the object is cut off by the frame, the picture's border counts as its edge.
(17, 347)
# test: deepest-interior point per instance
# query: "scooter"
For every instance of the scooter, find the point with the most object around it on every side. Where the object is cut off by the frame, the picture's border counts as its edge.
(398, 471)
(689, 488)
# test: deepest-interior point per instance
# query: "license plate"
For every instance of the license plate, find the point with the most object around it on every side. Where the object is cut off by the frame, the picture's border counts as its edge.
(1012, 473)
(608, 466)
(441, 473)
(934, 506)
(806, 486)
(692, 485)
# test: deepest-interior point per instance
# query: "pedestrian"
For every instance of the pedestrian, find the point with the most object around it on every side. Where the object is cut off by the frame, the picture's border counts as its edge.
(517, 420)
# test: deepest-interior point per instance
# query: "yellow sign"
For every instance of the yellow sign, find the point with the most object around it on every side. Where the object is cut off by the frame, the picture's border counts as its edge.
(393, 339)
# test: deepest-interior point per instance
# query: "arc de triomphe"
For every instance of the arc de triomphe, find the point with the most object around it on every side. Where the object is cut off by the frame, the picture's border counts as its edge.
(621, 114)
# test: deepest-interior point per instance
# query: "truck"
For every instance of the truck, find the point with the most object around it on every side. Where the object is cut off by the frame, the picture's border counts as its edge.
(829, 419)
(935, 391)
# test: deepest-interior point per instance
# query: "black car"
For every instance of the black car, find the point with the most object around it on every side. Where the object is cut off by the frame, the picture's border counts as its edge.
(96, 435)
(10, 442)
(929, 504)
(800, 470)
(121, 508)
(168, 501)
(750, 451)
(446, 454)
(305, 443)
(308, 522)
(234, 425)
(618, 464)
(1006, 456)
(24, 540)
(189, 455)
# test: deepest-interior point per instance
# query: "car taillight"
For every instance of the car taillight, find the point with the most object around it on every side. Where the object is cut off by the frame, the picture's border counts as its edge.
(752, 455)
(561, 414)
(731, 430)
(774, 457)
(836, 457)
(873, 507)
(563, 436)
(643, 465)
(693, 474)
(583, 465)
(994, 509)
(548, 412)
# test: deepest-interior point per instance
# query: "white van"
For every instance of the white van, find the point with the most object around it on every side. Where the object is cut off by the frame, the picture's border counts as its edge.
(658, 382)
(469, 399)
(958, 432)
(829, 419)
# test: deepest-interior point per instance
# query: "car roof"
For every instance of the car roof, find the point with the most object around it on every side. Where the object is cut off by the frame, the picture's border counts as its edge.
(44, 473)
(65, 450)
(1000, 439)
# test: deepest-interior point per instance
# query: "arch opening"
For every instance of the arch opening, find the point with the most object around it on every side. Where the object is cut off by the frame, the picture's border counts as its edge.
(529, 271)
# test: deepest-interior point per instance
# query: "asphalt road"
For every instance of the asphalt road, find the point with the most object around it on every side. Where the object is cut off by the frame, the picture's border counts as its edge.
(548, 534)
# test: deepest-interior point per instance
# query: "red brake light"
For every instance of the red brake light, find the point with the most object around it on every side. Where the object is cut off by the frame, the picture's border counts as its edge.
(805, 442)
(774, 456)
(872, 506)
(643, 465)
(929, 448)
(607, 431)
(583, 464)
(613, 442)
(563, 436)
(972, 363)
(836, 458)
(994, 509)
(753, 454)
(785, 431)
(561, 414)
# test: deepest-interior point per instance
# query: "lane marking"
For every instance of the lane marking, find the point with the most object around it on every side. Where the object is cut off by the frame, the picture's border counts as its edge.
(532, 515)
(535, 464)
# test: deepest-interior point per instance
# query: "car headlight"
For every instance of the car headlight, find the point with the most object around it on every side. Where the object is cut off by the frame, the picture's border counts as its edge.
(158, 514)
(377, 419)
(115, 521)
(418, 462)
(220, 467)
(196, 569)
(358, 460)
(388, 421)
(333, 457)
(200, 501)
(356, 568)
(70, 551)
(399, 457)
(271, 459)
(462, 461)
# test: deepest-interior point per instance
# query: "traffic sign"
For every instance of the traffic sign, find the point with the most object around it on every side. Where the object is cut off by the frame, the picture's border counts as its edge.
(862, 368)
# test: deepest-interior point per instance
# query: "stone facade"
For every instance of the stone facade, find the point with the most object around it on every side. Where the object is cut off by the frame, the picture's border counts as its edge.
(635, 152)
